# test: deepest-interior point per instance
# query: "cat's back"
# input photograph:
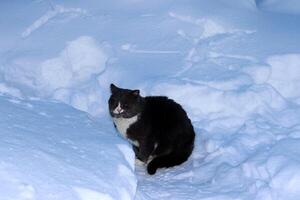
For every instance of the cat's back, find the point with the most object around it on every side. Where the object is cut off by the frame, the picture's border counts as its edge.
(160, 103)
(163, 109)
(167, 120)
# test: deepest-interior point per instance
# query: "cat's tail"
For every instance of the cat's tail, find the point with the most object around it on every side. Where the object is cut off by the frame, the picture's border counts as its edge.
(168, 160)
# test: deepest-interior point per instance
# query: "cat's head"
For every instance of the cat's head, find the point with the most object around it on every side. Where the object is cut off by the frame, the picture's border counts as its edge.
(124, 103)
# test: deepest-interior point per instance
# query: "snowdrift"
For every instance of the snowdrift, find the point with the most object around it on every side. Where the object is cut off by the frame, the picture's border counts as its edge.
(49, 150)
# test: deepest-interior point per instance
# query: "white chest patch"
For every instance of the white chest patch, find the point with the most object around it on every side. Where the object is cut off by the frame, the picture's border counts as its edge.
(123, 124)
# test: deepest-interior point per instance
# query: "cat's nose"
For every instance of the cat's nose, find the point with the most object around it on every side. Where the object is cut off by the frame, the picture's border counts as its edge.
(119, 110)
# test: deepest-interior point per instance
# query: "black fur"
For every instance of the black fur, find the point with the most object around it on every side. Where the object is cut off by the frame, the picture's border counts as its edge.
(163, 128)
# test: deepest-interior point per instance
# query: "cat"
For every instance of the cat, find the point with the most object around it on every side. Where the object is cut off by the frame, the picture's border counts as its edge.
(158, 128)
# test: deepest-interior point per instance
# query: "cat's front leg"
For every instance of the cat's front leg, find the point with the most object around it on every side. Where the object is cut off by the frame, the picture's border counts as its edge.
(145, 149)
(138, 160)
(136, 152)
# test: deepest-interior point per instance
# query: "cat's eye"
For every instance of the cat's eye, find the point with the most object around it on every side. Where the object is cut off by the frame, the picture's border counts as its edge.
(125, 106)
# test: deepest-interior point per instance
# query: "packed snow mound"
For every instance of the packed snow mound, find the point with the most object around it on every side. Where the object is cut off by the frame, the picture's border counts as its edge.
(80, 60)
(70, 77)
(202, 100)
(49, 150)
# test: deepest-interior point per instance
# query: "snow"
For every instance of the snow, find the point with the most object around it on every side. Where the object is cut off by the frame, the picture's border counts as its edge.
(51, 151)
(54, 12)
(283, 66)
(288, 6)
(233, 65)
(86, 194)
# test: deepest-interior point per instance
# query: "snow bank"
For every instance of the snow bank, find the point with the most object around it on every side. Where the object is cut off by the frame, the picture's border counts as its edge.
(49, 150)
(203, 100)
(76, 64)
(71, 77)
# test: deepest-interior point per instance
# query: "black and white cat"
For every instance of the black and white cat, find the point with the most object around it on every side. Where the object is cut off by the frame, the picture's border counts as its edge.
(159, 129)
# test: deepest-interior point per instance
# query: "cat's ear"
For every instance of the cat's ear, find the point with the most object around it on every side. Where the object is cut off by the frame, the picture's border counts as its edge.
(113, 88)
(135, 92)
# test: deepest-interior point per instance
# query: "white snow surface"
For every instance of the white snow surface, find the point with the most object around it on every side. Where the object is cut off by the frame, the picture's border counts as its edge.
(234, 65)
(49, 150)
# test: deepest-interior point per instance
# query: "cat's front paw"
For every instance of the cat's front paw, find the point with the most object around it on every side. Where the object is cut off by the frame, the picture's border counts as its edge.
(139, 162)
(142, 157)
(151, 168)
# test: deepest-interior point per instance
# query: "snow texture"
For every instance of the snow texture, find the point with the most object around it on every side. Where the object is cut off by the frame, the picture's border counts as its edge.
(51, 151)
(233, 65)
